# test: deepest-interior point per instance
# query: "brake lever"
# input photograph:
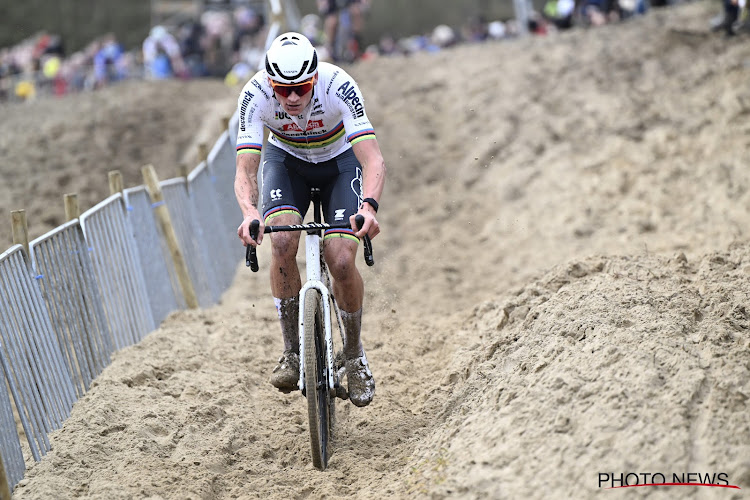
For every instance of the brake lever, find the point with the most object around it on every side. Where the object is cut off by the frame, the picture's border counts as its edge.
(367, 243)
(251, 254)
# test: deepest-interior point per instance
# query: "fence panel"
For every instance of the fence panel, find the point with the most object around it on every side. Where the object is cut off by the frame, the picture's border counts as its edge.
(73, 302)
(31, 356)
(192, 242)
(118, 271)
(224, 248)
(221, 160)
(162, 285)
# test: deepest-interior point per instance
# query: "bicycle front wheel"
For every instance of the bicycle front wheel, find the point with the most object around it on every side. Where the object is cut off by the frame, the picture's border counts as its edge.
(316, 379)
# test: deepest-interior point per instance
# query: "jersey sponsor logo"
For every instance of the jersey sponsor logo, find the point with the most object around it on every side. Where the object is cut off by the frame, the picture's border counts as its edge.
(243, 109)
(339, 214)
(348, 93)
(258, 86)
(328, 88)
(293, 127)
(275, 194)
(282, 115)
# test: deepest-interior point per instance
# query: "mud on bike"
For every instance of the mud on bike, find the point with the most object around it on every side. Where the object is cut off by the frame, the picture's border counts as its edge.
(320, 371)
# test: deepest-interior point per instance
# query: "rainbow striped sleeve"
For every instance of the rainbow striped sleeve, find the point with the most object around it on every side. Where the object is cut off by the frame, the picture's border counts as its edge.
(249, 148)
(362, 135)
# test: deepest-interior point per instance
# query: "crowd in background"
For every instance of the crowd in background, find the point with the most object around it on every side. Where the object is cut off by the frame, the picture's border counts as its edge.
(229, 43)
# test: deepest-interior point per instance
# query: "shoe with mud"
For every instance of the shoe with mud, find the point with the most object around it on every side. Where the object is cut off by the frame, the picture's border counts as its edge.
(285, 376)
(360, 380)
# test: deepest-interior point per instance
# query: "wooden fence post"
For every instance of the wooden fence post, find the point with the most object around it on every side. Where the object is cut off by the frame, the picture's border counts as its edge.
(202, 152)
(20, 229)
(115, 182)
(165, 221)
(72, 211)
(182, 170)
(4, 486)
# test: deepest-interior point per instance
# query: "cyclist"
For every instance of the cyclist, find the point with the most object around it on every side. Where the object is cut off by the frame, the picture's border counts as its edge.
(320, 136)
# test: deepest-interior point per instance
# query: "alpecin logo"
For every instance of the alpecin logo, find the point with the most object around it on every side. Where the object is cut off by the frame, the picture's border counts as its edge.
(348, 93)
(616, 480)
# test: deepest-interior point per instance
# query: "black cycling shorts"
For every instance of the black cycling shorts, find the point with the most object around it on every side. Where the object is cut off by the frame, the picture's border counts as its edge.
(286, 183)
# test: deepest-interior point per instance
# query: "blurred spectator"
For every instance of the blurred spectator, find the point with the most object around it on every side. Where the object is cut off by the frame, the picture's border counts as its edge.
(443, 36)
(559, 13)
(727, 22)
(497, 30)
(217, 41)
(475, 30)
(310, 26)
(247, 25)
(190, 37)
(350, 14)
(109, 62)
(161, 55)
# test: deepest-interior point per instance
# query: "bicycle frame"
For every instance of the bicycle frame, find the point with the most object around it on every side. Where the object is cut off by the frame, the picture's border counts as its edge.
(314, 269)
(314, 280)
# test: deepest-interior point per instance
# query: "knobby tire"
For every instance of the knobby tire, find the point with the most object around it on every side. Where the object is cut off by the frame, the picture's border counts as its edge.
(316, 382)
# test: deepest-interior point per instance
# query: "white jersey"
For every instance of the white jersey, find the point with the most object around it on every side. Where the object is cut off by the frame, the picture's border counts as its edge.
(333, 121)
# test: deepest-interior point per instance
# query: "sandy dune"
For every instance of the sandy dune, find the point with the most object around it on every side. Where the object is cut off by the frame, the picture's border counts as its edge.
(561, 287)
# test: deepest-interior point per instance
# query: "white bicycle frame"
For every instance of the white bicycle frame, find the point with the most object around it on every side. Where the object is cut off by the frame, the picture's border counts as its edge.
(314, 280)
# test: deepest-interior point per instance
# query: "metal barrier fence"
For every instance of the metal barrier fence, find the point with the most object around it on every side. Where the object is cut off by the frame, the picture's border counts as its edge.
(31, 357)
(190, 236)
(102, 282)
(162, 284)
(223, 153)
(219, 245)
(118, 271)
(66, 275)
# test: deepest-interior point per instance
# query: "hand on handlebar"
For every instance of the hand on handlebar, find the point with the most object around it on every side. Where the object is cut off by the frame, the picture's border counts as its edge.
(370, 226)
(244, 230)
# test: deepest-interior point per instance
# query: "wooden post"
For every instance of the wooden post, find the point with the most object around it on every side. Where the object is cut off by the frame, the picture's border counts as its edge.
(115, 182)
(4, 486)
(224, 123)
(72, 211)
(165, 221)
(202, 152)
(20, 229)
(182, 170)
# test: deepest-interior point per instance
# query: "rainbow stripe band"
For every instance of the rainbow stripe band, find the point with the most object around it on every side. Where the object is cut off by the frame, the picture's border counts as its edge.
(340, 233)
(312, 141)
(281, 210)
(361, 136)
(249, 148)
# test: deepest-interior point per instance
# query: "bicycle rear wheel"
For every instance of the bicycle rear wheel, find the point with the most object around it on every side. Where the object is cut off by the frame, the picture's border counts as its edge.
(316, 379)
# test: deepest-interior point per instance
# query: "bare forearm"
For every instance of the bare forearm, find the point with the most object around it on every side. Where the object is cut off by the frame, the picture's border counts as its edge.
(246, 183)
(373, 168)
(373, 179)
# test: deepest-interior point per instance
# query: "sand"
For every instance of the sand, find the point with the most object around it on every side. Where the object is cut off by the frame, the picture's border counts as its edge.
(560, 289)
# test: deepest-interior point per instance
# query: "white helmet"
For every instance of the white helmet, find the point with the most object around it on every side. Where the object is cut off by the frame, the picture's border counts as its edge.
(291, 59)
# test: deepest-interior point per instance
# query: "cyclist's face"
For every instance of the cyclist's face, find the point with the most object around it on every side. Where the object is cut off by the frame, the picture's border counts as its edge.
(293, 103)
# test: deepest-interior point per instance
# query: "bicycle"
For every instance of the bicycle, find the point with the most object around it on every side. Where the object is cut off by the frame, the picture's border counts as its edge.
(320, 375)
